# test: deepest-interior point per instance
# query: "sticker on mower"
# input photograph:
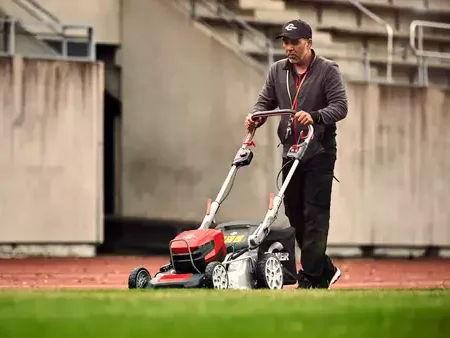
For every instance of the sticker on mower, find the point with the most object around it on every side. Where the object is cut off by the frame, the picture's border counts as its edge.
(234, 239)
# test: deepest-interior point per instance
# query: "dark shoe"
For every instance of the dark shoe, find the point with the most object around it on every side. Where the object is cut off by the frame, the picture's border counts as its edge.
(325, 283)
(306, 283)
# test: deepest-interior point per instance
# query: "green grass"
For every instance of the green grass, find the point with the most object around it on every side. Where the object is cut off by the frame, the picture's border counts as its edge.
(209, 313)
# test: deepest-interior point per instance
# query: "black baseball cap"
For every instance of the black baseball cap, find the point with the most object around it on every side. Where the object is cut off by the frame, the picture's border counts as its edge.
(295, 30)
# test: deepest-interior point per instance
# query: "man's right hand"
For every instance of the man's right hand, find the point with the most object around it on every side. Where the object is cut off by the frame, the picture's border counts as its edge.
(250, 123)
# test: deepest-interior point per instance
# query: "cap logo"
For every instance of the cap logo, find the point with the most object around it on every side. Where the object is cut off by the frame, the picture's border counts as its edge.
(290, 27)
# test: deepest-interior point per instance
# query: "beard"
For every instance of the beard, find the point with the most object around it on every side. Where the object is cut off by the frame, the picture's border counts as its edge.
(294, 58)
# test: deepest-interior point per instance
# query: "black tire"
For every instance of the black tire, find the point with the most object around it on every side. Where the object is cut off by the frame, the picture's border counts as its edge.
(211, 281)
(139, 278)
(266, 279)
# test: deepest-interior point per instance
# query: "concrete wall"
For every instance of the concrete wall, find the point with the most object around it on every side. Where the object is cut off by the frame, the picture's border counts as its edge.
(51, 122)
(394, 159)
(184, 98)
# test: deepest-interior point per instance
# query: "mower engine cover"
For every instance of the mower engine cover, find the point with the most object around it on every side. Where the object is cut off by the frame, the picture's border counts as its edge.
(200, 247)
(280, 242)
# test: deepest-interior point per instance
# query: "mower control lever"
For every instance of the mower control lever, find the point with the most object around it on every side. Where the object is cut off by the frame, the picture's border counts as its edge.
(296, 152)
(242, 158)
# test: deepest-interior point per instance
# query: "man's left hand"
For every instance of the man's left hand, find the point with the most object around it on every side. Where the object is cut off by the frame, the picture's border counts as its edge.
(304, 118)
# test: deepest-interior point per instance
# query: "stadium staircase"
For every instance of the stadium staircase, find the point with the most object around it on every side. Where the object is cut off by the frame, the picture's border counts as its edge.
(373, 40)
(394, 41)
(29, 29)
(26, 23)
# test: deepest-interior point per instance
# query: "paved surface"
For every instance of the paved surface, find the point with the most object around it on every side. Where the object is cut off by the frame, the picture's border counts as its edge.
(111, 272)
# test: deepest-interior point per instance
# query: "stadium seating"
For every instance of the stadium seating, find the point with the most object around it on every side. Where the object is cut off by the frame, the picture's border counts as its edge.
(344, 33)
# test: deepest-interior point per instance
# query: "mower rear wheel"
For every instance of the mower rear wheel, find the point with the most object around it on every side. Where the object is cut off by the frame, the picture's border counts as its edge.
(216, 276)
(269, 272)
(139, 278)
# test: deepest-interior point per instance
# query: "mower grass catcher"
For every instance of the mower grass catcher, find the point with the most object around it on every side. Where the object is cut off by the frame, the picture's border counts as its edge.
(233, 255)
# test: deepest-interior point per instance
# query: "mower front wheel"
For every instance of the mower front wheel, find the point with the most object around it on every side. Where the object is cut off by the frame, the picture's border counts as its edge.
(269, 272)
(216, 276)
(139, 278)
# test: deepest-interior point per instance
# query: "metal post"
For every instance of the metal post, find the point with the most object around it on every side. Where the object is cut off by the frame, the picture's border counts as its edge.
(367, 64)
(421, 58)
(12, 36)
(193, 4)
(390, 51)
(64, 47)
(91, 44)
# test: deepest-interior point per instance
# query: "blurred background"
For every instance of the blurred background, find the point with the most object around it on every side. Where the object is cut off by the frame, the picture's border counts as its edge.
(119, 119)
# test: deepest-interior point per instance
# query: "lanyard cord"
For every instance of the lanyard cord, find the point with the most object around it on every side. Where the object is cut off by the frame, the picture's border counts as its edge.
(298, 84)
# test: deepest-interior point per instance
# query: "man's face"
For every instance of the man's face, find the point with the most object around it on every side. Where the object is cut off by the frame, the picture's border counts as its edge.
(296, 50)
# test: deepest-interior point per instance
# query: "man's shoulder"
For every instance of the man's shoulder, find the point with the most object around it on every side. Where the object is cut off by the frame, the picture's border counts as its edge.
(324, 62)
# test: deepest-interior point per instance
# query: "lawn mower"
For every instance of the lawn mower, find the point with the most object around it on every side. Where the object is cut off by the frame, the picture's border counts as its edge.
(232, 255)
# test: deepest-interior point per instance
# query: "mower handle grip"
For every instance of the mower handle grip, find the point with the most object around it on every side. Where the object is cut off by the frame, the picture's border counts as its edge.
(275, 112)
(266, 113)
(279, 112)
(269, 113)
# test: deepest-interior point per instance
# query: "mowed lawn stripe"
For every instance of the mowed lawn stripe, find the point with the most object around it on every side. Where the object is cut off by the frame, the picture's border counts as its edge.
(213, 313)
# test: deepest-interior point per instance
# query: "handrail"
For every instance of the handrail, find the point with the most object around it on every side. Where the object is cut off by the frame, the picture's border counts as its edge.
(13, 25)
(412, 38)
(44, 10)
(257, 38)
(419, 51)
(57, 28)
(36, 11)
(390, 34)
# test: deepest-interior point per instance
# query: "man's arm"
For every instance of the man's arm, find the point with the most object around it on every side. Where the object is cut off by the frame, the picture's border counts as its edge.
(336, 97)
(267, 98)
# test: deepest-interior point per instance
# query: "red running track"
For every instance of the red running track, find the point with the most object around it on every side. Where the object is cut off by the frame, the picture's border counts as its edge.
(111, 272)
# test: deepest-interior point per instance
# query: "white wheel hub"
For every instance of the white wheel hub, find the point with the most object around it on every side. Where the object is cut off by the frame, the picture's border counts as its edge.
(220, 277)
(274, 273)
(142, 279)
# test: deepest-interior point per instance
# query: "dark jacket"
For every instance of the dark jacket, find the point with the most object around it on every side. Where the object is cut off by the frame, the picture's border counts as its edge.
(322, 94)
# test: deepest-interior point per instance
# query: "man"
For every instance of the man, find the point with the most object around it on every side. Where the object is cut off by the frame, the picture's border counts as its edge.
(313, 86)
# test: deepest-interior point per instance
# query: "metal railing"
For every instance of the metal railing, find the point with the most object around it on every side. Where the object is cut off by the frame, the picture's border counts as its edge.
(390, 38)
(216, 9)
(422, 55)
(40, 13)
(57, 31)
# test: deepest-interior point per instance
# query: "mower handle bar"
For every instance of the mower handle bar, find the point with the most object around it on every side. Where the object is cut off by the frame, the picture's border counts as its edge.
(270, 113)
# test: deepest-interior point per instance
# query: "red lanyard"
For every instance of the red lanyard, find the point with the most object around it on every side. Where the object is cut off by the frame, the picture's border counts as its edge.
(298, 84)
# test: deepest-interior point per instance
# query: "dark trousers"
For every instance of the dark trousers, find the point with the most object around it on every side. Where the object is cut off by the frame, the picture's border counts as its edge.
(307, 202)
